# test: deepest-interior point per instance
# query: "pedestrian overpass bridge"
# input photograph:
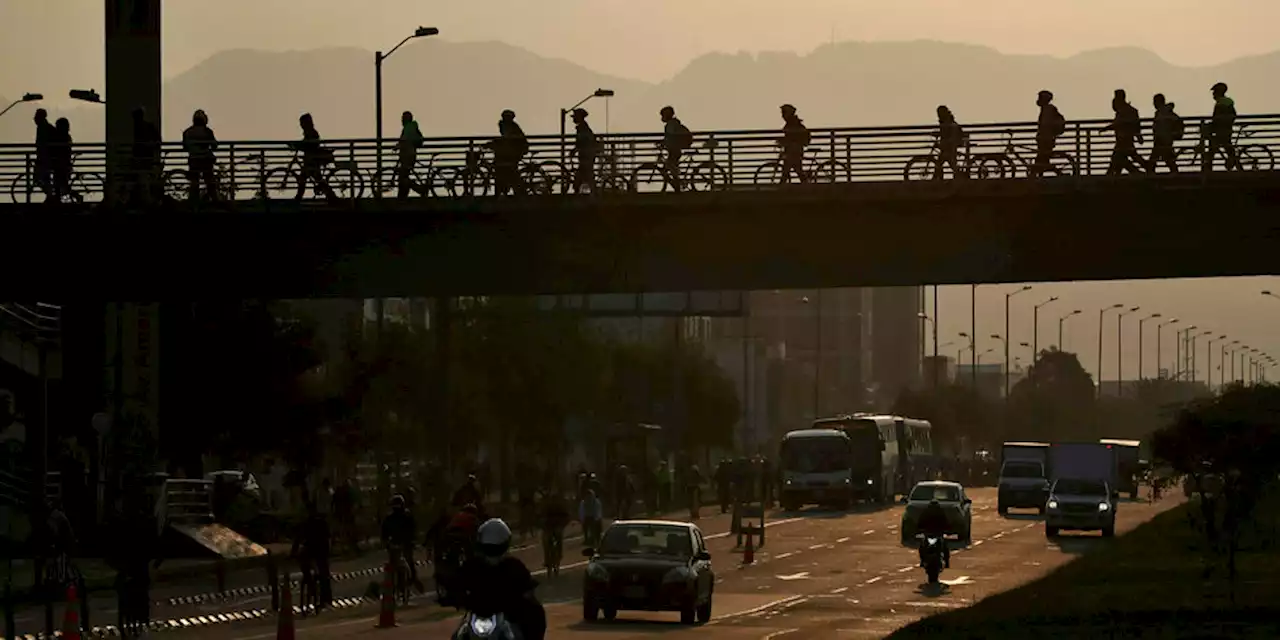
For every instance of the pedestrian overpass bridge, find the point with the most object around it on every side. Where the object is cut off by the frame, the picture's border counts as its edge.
(868, 214)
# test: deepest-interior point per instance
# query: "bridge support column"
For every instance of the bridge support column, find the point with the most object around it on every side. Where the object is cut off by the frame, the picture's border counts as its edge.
(133, 76)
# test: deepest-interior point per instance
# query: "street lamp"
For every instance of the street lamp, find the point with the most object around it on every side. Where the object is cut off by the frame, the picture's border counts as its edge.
(817, 351)
(1035, 328)
(1193, 352)
(933, 324)
(26, 97)
(86, 95)
(599, 93)
(1141, 321)
(378, 57)
(1063, 319)
(1179, 351)
(1160, 342)
(1102, 312)
(1005, 344)
(1120, 349)
(1208, 353)
(1007, 297)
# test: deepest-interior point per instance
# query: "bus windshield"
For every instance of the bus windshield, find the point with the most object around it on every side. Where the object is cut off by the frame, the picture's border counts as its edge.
(815, 455)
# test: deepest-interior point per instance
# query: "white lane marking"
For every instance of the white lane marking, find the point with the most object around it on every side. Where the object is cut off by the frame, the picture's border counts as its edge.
(839, 590)
(868, 532)
(785, 555)
(738, 614)
(779, 634)
(958, 581)
(842, 540)
(936, 605)
(978, 542)
(907, 568)
(794, 576)
(822, 546)
(874, 580)
(998, 536)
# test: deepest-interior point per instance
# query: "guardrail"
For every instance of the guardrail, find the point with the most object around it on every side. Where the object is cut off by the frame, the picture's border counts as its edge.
(631, 163)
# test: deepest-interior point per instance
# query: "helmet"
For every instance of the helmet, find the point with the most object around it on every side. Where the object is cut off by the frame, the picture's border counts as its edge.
(508, 114)
(667, 111)
(1046, 94)
(1221, 86)
(397, 501)
(493, 540)
(788, 108)
(580, 113)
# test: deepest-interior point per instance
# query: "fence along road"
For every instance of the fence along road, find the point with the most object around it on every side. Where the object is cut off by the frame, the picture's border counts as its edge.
(462, 167)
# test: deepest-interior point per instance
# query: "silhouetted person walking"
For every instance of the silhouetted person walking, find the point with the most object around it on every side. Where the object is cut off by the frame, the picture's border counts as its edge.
(1128, 130)
(676, 138)
(315, 157)
(1220, 130)
(60, 160)
(795, 137)
(950, 139)
(200, 143)
(146, 158)
(508, 150)
(586, 146)
(1049, 127)
(407, 147)
(1166, 129)
(42, 168)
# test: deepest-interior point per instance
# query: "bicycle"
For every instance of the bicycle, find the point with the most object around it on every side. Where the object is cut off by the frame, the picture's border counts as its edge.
(425, 178)
(1252, 157)
(400, 575)
(177, 183)
(1006, 164)
(478, 175)
(553, 551)
(342, 176)
(79, 186)
(825, 172)
(924, 167)
(607, 178)
(706, 175)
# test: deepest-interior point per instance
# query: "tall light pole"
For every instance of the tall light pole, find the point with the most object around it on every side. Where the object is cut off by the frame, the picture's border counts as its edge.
(1035, 328)
(1160, 344)
(1180, 351)
(973, 358)
(1142, 321)
(1007, 297)
(378, 58)
(26, 97)
(598, 93)
(933, 324)
(1235, 344)
(1101, 313)
(1120, 350)
(817, 351)
(1005, 343)
(1208, 354)
(1061, 320)
(973, 333)
(1195, 352)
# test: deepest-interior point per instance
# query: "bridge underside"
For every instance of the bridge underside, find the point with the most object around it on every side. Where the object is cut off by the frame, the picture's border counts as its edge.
(829, 236)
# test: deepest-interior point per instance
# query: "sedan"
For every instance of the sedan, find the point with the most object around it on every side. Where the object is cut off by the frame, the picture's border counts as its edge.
(649, 565)
(951, 496)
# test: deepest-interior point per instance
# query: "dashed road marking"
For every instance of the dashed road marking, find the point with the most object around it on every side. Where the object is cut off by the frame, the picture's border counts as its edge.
(794, 576)
(907, 568)
(842, 540)
(757, 610)
(868, 532)
(839, 590)
(788, 554)
(874, 580)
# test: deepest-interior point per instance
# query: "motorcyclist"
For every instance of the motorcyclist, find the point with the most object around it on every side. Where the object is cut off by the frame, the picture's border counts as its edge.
(495, 582)
(933, 522)
(457, 542)
(468, 493)
(591, 515)
(398, 532)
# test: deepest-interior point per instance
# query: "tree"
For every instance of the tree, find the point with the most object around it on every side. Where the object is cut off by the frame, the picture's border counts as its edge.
(1229, 447)
(1056, 401)
(956, 411)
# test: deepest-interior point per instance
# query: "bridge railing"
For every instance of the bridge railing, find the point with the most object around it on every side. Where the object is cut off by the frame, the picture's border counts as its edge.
(633, 163)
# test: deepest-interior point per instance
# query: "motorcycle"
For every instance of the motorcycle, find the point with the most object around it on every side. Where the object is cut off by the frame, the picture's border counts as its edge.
(933, 557)
(447, 567)
(475, 626)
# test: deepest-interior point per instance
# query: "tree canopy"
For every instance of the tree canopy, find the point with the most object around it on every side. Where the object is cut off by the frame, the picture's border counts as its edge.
(1055, 400)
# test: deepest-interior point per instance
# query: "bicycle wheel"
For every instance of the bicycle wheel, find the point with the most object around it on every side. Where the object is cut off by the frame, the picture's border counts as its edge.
(648, 178)
(612, 183)
(560, 177)
(1189, 158)
(461, 181)
(280, 183)
(346, 181)
(991, 166)
(1255, 157)
(177, 184)
(1061, 165)
(708, 176)
(22, 189)
(536, 181)
(87, 187)
(768, 174)
(830, 172)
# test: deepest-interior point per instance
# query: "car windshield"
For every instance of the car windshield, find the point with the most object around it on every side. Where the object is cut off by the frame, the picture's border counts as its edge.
(926, 493)
(647, 540)
(815, 455)
(1022, 470)
(1080, 487)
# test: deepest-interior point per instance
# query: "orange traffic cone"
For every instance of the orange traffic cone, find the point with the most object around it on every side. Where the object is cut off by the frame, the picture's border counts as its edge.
(284, 623)
(387, 616)
(71, 619)
(749, 553)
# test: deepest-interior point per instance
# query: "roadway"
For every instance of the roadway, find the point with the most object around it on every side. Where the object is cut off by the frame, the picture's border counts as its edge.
(821, 574)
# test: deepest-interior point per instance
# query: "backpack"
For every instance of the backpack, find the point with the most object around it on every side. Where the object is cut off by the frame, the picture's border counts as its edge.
(1178, 128)
(1058, 124)
(684, 137)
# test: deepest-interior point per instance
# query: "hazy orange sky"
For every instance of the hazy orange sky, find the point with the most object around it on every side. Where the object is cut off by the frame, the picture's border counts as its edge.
(51, 45)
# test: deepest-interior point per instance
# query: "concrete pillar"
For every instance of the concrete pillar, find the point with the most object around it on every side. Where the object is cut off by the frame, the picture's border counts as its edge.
(132, 75)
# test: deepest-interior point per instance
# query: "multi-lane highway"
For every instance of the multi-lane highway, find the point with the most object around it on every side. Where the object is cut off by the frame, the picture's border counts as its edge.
(820, 575)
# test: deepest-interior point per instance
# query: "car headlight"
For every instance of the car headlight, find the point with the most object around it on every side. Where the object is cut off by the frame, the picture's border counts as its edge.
(787, 482)
(483, 626)
(869, 481)
(596, 571)
(1053, 504)
(848, 480)
(678, 574)
(1102, 506)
